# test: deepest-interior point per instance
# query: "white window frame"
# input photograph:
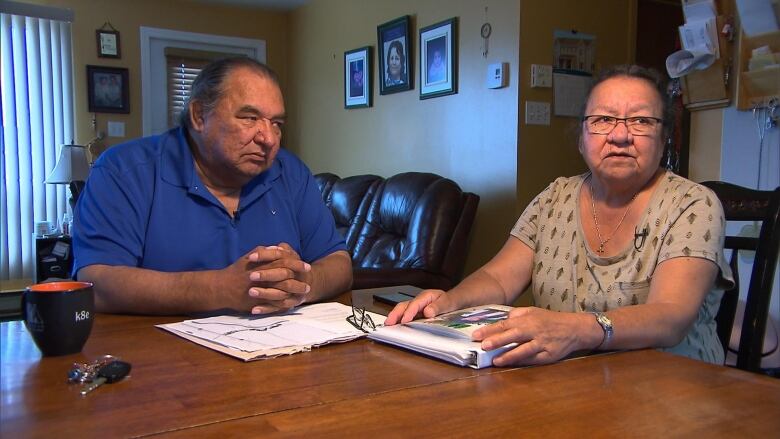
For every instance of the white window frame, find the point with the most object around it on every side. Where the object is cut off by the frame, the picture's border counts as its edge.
(154, 93)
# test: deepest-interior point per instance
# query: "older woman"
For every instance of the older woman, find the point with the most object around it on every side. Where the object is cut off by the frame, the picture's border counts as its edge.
(631, 252)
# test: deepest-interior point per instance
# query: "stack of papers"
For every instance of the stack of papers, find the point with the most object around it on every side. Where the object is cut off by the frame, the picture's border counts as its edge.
(699, 37)
(259, 337)
(448, 337)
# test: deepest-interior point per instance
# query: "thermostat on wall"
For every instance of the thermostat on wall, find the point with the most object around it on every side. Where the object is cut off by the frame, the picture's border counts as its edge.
(496, 75)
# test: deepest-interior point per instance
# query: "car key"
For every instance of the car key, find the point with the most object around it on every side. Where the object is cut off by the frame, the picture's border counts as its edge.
(110, 373)
(86, 372)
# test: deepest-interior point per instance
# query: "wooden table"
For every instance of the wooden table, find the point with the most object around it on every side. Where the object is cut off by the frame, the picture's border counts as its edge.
(366, 389)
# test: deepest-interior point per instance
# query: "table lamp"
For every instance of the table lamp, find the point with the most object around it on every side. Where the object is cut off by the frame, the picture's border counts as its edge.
(72, 169)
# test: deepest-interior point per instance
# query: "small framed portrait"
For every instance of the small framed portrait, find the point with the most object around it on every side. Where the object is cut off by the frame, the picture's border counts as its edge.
(108, 43)
(357, 78)
(395, 67)
(439, 59)
(107, 90)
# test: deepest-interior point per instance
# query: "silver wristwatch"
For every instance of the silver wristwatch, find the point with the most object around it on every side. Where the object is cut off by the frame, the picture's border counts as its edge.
(606, 326)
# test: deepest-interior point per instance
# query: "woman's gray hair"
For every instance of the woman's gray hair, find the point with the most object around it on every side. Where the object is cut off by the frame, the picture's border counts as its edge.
(208, 87)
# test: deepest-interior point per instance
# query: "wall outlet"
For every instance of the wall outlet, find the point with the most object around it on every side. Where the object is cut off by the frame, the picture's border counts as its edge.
(537, 113)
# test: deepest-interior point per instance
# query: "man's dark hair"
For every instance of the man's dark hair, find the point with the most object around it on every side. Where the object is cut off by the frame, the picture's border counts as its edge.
(208, 87)
(658, 81)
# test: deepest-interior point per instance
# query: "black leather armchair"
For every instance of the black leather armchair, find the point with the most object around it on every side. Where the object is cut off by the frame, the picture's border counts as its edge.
(412, 228)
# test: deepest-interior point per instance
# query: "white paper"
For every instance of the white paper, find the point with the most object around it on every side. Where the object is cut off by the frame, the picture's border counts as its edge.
(700, 48)
(253, 337)
(569, 93)
(453, 350)
(757, 17)
(682, 62)
(700, 36)
(448, 336)
(698, 9)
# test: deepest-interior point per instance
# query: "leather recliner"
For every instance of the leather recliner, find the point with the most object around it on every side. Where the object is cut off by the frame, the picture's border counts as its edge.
(412, 228)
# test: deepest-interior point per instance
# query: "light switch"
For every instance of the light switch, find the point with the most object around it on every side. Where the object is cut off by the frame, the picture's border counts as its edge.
(541, 76)
(537, 113)
(116, 129)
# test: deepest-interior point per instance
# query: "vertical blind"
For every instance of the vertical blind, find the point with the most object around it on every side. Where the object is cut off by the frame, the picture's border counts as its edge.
(37, 116)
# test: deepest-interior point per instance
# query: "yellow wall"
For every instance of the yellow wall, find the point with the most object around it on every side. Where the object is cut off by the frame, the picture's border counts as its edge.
(546, 152)
(127, 16)
(470, 137)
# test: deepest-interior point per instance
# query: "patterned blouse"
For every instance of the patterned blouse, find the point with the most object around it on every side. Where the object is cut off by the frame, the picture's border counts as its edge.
(682, 219)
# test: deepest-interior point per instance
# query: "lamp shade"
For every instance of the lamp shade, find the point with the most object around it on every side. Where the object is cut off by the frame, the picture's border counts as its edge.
(71, 166)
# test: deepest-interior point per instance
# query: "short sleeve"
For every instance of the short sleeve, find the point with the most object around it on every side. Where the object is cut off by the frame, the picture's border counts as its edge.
(318, 234)
(527, 226)
(108, 221)
(698, 230)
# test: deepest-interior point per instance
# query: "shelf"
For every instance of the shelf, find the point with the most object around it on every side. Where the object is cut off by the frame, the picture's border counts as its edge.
(709, 88)
(757, 87)
(762, 84)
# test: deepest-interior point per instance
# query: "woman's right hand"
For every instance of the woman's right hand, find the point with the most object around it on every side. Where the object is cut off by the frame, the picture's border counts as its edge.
(429, 302)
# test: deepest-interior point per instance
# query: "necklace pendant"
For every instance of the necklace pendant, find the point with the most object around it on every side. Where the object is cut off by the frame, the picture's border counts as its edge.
(601, 248)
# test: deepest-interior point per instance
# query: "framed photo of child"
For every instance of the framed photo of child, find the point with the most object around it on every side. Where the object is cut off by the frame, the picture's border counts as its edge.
(439, 59)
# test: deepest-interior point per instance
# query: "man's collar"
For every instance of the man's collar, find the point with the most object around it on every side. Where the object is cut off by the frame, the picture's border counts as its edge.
(177, 165)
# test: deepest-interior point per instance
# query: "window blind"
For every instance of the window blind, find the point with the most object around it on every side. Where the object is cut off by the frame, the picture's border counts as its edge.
(37, 116)
(183, 66)
(181, 73)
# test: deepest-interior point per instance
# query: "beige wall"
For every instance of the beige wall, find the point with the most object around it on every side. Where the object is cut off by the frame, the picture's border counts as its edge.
(127, 17)
(546, 152)
(705, 149)
(470, 137)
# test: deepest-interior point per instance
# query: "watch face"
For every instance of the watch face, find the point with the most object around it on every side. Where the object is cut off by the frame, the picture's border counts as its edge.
(604, 321)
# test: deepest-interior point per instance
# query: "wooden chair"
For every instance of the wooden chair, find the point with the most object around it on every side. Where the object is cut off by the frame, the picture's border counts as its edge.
(743, 204)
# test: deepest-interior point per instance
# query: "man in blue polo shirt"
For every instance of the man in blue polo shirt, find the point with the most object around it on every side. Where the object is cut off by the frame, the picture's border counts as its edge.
(212, 214)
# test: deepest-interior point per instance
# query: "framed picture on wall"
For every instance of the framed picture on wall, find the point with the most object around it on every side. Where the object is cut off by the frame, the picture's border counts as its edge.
(439, 59)
(108, 42)
(357, 78)
(107, 90)
(395, 69)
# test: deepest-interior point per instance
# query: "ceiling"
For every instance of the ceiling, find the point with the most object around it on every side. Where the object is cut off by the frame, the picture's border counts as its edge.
(283, 5)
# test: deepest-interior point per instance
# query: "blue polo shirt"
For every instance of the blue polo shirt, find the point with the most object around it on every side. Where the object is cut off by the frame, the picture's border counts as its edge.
(145, 206)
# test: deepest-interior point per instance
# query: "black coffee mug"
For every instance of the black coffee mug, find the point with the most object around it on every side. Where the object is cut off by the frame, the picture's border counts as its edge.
(59, 315)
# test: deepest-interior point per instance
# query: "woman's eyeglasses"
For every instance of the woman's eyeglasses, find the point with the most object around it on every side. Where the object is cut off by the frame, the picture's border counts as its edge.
(636, 125)
(361, 320)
